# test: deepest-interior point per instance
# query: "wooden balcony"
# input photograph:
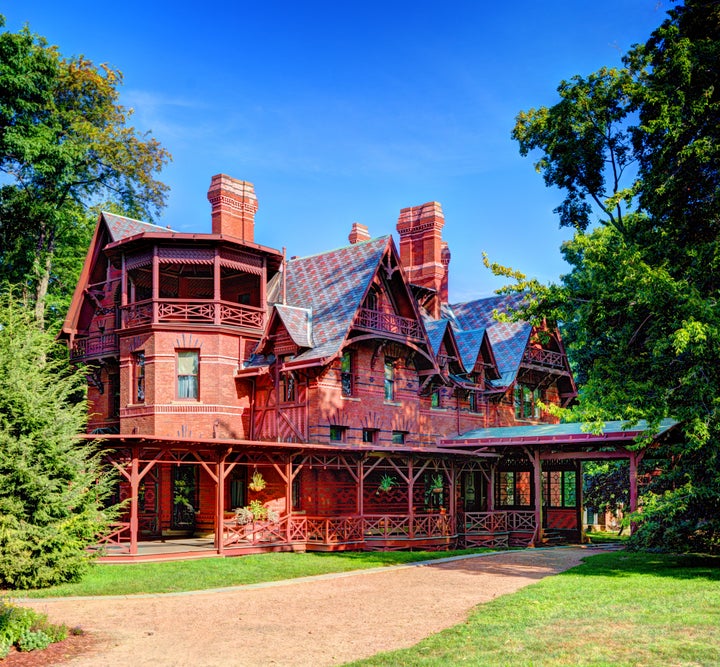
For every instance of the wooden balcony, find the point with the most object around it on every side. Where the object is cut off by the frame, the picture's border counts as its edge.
(206, 311)
(544, 359)
(388, 323)
(95, 347)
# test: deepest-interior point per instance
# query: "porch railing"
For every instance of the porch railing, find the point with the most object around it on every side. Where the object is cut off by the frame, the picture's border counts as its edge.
(204, 311)
(377, 320)
(103, 345)
(117, 540)
(483, 522)
(547, 358)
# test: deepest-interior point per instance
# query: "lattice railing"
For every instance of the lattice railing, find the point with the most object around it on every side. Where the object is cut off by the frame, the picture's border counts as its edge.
(431, 525)
(94, 346)
(334, 530)
(541, 357)
(377, 320)
(521, 520)
(484, 522)
(197, 311)
(118, 539)
(386, 525)
(256, 532)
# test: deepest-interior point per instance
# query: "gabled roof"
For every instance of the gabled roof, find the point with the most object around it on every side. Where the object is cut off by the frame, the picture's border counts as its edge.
(298, 322)
(508, 339)
(470, 343)
(121, 227)
(332, 285)
(436, 332)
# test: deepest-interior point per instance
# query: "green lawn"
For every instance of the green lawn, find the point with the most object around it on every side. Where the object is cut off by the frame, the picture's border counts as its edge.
(616, 609)
(207, 573)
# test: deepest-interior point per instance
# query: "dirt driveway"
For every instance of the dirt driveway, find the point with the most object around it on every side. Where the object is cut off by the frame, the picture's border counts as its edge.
(324, 620)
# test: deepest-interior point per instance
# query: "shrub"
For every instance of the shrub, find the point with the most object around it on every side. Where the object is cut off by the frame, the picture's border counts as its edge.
(26, 629)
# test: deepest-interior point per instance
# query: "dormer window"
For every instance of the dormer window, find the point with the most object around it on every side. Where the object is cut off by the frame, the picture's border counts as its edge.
(371, 302)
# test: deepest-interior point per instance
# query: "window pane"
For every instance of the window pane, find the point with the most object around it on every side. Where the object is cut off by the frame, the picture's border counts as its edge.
(389, 379)
(522, 488)
(398, 437)
(555, 489)
(187, 363)
(569, 488)
(506, 488)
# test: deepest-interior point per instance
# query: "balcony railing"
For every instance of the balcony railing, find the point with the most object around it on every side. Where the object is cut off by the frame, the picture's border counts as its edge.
(535, 356)
(389, 323)
(95, 347)
(166, 311)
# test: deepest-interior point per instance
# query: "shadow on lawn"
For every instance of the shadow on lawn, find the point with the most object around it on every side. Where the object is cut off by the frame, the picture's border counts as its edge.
(626, 563)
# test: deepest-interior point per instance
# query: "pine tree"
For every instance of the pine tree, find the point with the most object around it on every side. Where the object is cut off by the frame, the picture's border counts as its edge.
(52, 486)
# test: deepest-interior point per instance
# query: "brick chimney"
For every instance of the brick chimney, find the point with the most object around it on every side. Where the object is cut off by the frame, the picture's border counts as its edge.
(358, 233)
(423, 253)
(234, 205)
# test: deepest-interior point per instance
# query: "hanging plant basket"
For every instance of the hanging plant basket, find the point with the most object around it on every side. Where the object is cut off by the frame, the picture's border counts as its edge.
(386, 483)
(257, 482)
(436, 484)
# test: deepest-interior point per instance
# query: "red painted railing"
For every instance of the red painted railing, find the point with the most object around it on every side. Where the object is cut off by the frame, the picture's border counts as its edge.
(483, 522)
(521, 521)
(376, 320)
(199, 312)
(103, 345)
(117, 540)
(539, 357)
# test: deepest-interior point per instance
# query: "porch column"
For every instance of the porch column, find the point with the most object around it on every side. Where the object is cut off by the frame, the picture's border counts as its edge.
(123, 283)
(288, 496)
(411, 494)
(580, 500)
(490, 500)
(361, 487)
(220, 505)
(633, 487)
(134, 489)
(216, 286)
(155, 284)
(537, 482)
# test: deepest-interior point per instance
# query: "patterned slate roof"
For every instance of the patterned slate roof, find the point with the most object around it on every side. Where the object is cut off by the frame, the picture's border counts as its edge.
(508, 339)
(121, 227)
(469, 342)
(298, 322)
(332, 285)
(436, 331)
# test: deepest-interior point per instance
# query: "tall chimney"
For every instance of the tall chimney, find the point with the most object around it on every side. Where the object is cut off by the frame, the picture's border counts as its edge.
(423, 253)
(234, 205)
(358, 233)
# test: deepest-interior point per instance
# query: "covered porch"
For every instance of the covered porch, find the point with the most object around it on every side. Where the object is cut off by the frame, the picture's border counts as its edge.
(184, 498)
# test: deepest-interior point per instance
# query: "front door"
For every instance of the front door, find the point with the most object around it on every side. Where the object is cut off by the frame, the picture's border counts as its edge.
(473, 491)
(184, 497)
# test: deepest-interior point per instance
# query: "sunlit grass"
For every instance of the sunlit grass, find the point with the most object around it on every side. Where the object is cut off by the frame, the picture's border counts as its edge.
(206, 573)
(616, 609)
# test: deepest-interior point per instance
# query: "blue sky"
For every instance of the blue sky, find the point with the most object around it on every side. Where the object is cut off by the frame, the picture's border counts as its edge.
(342, 112)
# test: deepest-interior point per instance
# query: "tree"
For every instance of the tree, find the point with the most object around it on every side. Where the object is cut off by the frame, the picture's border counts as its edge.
(64, 145)
(639, 307)
(52, 487)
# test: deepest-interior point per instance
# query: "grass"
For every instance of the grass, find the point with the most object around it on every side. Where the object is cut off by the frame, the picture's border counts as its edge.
(207, 573)
(616, 609)
(605, 537)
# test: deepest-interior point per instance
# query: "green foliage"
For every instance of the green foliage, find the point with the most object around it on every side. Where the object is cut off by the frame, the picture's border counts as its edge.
(640, 148)
(65, 145)
(26, 629)
(52, 487)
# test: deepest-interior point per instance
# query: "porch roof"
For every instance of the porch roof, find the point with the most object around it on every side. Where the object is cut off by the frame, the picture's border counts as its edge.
(579, 433)
(115, 439)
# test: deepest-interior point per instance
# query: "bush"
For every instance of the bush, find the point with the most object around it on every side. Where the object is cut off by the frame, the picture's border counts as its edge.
(26, 629)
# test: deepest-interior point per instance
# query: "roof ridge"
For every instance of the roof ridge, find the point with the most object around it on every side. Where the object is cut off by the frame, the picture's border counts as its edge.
(345, 247)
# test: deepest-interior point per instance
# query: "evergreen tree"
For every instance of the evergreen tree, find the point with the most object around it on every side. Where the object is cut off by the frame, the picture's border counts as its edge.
(52, 487)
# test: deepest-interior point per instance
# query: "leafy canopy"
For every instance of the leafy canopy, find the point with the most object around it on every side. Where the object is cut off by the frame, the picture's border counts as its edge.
(636, 152)
(65, 146)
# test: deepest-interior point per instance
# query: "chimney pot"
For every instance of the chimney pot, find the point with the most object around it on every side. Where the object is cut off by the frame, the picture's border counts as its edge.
(234, 205)
(358, 233)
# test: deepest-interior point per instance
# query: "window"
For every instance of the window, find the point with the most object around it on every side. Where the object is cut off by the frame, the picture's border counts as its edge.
(346, 373)
(473, 402)
(138, 377)
(337, 433)
(398, 437)
(187, 373)
(559, 487)
(389, 379)
(435, 398)
(526, 402)
(114, 394)
(513, 489)
(369, 435)
(288, 391)
(371, 303)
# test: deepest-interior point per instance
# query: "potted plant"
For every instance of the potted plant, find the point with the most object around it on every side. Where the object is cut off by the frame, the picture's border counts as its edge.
(257, 482)
(386, 483)
(436, 483)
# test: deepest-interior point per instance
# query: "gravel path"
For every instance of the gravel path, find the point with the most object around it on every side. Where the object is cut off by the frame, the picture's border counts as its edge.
(324, 620)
